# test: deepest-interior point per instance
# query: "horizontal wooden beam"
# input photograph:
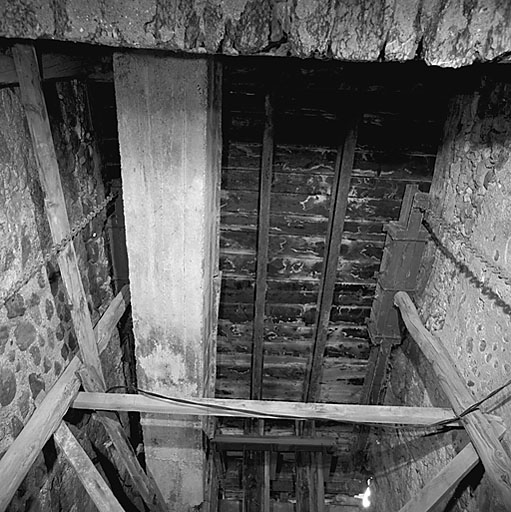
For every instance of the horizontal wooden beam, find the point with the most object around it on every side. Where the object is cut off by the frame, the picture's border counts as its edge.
(496, 461)
(438, 491)
(371, 414)
(274, 443)
(22, 453)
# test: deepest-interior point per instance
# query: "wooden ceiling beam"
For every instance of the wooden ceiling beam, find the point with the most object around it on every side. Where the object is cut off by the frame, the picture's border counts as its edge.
(274, 443)
(263, 230)
(238, 408)
(339, 205)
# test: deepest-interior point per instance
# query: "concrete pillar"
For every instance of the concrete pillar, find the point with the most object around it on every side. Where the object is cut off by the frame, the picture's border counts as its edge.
(169, 133)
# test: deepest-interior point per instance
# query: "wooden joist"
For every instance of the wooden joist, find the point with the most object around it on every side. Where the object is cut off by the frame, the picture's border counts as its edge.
(257, 492)
(372, 414)
(339, 204)
(94, 483)
(24, 450)
(491, 452)
(262, 251)
(274, 443)
(435, 495)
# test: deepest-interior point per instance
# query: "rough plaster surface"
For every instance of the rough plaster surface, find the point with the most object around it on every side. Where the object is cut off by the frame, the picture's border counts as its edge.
(162, 113)
(471, 191)
(36, 335)
(442, 32)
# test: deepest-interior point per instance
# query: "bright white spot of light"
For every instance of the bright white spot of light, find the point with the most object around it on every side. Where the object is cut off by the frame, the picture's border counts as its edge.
(366, 502)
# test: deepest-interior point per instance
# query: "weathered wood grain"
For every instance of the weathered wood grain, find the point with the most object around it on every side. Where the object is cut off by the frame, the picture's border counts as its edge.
(94, 484)
(263, 247)
(437, 492)
(383, 414)
(491, 452)
(24, 450)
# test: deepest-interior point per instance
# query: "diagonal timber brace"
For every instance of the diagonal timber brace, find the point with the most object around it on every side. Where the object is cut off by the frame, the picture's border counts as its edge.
(496, 461)
(33, 100)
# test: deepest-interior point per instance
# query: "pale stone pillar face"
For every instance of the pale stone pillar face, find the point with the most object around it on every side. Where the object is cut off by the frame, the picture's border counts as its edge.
(170, 187)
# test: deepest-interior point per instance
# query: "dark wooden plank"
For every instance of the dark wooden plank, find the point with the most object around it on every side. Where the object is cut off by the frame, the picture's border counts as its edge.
(262, 251)
(491, 452)
(304, 225)
(244, 241)
(312, 204)
(309, 161)
(238, 313)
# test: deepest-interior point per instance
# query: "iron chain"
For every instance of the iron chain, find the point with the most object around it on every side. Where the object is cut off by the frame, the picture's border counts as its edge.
(439, 229)
(54, 251)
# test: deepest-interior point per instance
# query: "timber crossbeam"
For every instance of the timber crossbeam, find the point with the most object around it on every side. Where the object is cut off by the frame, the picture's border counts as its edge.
(351, 413)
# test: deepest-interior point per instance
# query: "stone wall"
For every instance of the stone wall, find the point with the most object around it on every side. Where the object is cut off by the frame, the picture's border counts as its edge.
(442, 32)
(469, 313)
(37, 339)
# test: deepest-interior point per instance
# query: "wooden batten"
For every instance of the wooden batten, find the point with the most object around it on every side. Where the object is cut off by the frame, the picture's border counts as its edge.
(262, 251)
(24, 450)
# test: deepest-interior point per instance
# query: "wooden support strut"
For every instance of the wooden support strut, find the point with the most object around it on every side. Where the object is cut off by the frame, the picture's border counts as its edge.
(263, 232)
(257, 494)
(435, 495)
(24, 450)
(35, 109)
(491, 452)
(94, 484)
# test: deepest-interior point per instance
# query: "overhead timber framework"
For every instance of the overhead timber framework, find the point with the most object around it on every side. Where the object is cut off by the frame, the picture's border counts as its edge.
(262, 406)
